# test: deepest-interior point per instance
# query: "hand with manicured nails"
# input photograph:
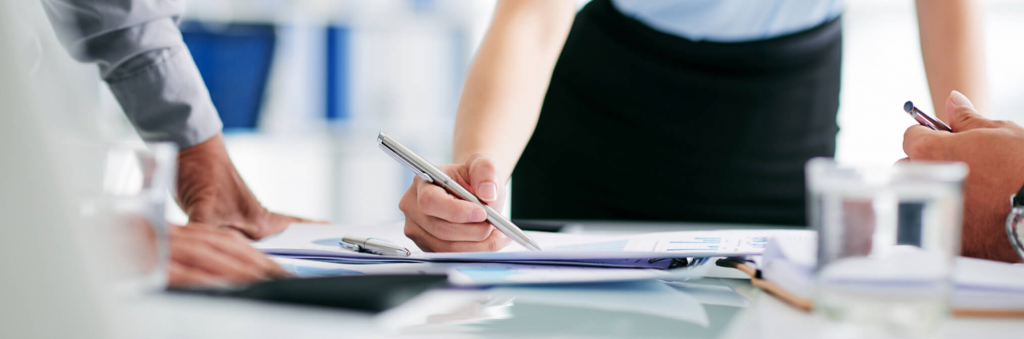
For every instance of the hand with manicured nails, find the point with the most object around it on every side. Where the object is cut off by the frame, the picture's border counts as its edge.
(441, 222)
(201, 256)
(994, 153)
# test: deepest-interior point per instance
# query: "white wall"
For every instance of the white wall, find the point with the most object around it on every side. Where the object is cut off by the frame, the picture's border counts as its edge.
(882, 69)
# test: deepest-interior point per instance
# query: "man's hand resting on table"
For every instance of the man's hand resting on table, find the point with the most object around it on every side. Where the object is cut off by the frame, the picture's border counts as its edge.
(994, 153)
(203, 256)
(212, 193)
(441, 222)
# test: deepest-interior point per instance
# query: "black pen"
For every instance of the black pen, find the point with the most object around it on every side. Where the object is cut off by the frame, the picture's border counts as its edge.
(924, 119)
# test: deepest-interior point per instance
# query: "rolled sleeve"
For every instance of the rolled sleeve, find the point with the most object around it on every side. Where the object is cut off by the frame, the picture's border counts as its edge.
(142, 57)
(165, 98)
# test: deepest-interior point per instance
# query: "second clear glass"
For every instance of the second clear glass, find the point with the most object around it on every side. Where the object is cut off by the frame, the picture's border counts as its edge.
(887, 239)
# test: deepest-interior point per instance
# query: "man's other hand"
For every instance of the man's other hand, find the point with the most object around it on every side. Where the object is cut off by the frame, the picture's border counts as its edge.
(201, 256)
(994, 153)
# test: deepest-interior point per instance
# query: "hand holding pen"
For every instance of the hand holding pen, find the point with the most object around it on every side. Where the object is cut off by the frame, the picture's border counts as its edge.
(438, 222)
(994, 153)
(452, 208)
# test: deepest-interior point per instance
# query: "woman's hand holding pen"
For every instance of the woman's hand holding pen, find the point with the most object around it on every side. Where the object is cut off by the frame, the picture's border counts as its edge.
(440, 222)
(994, 153)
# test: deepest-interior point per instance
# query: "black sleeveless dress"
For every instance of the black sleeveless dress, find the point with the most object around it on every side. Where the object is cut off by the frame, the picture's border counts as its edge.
(642, 125)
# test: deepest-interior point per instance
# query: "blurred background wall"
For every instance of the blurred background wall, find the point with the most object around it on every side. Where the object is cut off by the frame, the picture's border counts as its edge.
(305, 85)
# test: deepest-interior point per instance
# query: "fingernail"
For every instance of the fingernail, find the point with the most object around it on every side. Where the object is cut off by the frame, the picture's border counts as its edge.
(477, 215)
(960, 100)
(487, 191)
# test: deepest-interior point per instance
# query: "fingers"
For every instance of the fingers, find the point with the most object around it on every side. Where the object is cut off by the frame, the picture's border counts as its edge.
(222, 254)
(182, 276)
(436, 202)
(447, 217)
(204, 258)
(275, 269)
(428, 242)
(923, 143)
(289, 219)
(483, 178)
(448, 231)
(277, 223)
(235, 244)
(237, 247)
(962, 116)
(439, 221)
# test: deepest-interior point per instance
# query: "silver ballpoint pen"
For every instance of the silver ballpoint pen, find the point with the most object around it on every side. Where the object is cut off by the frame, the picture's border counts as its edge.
(372, 245)
(432, 174)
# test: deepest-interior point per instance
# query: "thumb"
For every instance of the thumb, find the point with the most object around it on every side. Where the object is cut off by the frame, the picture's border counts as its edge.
(962, 116)
(483, 178)
(277, 223)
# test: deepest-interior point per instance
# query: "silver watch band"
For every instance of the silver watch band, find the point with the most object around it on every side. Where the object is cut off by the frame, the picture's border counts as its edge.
(1015, 224)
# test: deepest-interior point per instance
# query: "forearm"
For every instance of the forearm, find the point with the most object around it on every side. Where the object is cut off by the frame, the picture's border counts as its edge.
(508, 79)
(953, 51)
(141, 55)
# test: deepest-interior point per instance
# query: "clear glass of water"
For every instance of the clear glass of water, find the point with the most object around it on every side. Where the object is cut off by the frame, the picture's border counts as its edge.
(125, 219)
(887, 238)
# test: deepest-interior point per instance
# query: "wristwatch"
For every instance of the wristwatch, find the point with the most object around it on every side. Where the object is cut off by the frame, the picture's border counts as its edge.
(1015, 222)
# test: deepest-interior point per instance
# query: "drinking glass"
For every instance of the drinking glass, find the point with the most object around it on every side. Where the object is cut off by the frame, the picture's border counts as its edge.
(887, 239)
(125, 219)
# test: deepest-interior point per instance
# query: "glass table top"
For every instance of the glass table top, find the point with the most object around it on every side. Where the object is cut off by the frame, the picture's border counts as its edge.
(646, 309)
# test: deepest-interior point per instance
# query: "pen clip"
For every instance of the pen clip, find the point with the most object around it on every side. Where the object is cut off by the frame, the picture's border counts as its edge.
(422, 173)
(350, 246)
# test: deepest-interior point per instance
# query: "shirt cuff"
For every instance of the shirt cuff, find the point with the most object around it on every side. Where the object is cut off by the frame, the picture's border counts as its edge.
(164, 96)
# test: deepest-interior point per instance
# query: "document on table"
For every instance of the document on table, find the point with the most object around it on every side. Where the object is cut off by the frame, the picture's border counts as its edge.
(503, 274)
(320, 242)
(978, 283)
(985, 284)
(485, 274)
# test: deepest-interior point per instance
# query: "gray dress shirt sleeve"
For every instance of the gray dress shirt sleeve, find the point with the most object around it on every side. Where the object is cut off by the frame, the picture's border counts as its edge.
(144, 60)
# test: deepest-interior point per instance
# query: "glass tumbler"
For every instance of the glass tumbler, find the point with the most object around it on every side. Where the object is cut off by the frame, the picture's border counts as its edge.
(125, 219)
(887, 239)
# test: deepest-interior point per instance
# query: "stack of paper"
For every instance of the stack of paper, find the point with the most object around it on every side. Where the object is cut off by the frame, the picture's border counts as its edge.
(979, 284)
(567, 258)
(650, 250)
(984, 284)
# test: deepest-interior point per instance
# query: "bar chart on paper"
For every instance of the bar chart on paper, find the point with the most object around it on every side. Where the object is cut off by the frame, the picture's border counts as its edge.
(726, 243)
(710, 244)
(615, 245)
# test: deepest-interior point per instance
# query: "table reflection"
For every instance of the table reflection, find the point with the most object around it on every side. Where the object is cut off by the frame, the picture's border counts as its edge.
(647, 309)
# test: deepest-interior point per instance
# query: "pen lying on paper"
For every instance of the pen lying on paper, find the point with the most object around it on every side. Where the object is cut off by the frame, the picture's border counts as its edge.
(432, 174)
(371, 245)
(924, 119)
